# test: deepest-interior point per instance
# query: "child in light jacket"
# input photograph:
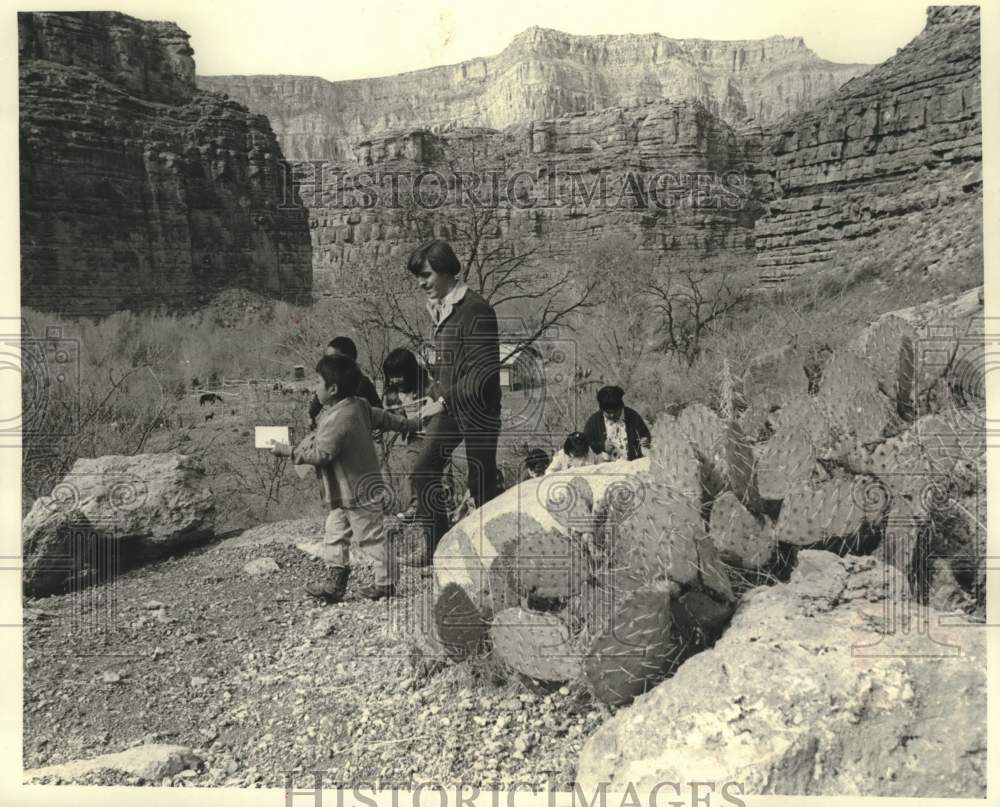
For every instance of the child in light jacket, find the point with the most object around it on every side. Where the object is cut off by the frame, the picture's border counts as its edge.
(575, 453)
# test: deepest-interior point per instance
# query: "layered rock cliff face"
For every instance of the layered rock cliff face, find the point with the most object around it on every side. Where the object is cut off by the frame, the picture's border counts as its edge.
(670, 177)
(542, 74)
(888, 168)
(137, 188)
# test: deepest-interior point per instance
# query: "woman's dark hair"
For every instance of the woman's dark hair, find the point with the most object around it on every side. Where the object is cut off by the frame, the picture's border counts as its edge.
(537, 460)
(345, 345)
(402, 363)
(439, 255)
(610, 398)
(576, 445)
(342, 371)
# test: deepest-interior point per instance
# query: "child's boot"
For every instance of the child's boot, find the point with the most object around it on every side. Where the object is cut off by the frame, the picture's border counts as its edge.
(334, 588)
(376, 592)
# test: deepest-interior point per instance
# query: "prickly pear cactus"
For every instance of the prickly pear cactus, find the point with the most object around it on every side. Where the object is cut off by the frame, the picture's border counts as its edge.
(569, 500)
(890, 350)
(784, 461)
(740, 465)
(536, 645)
(851, 401)
(739, 535)
(703, 429)
(638, 651)
(836, 508)
(657, 542)
(673, 461)
(546, 568)
(461, 626)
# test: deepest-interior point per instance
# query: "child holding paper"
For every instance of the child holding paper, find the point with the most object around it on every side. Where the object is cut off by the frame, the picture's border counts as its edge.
(343, 451)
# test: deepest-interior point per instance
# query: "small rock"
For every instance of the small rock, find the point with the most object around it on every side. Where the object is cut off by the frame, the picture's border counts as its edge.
(261, 566)
(325, 625)
(153, 605)
(197, 681)
(110, 677)
(163, 618)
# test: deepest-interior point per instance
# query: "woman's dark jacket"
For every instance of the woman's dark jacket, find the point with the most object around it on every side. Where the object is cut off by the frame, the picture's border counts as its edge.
(635, 428)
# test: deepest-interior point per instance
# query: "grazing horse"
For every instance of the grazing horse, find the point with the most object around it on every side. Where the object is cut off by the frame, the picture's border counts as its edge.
(209, 398)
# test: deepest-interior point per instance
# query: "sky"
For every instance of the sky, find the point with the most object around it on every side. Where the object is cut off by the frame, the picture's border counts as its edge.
(360, 38)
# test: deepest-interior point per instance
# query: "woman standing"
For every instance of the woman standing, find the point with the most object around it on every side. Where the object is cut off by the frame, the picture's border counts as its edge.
(465, 392)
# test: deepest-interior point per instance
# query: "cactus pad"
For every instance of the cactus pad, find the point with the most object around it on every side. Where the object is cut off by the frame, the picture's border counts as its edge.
(786, 460)
(638, 651)
(536, 645)
(460, 625)
(546, 568)
(739, 535)
(836, 508)
(569, 500)
(658, 541)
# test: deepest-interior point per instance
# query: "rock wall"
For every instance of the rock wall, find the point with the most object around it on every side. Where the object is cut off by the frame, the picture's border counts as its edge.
(888, 166)
(138, 189)
(542, 74)
(671, 177)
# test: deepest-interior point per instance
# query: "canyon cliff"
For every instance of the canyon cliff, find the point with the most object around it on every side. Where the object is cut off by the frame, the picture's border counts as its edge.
(542, 74)
(671, 178)
(888, 168)
(137, 188)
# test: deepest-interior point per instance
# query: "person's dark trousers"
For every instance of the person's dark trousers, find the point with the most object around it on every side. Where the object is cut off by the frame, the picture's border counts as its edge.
(442, 436)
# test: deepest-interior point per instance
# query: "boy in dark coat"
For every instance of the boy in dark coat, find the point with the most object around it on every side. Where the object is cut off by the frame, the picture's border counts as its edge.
(616, 431)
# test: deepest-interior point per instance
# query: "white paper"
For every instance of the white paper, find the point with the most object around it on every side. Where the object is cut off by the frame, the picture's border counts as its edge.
(263, 435)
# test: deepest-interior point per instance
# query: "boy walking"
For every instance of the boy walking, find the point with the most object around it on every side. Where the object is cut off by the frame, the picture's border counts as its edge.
(343, 452)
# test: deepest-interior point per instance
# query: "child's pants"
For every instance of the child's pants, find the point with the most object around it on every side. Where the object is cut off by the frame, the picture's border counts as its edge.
(364, 528)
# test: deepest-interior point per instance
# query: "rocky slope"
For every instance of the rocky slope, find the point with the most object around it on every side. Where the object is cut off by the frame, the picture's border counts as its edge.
(137, 188)
(542, 74)
(892, 159)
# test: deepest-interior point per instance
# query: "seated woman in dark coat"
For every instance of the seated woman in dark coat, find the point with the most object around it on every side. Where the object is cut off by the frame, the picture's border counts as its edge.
(616, 431)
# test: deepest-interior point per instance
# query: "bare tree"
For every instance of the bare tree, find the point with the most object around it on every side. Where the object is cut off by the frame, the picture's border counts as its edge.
(503, 268)
(692, 302)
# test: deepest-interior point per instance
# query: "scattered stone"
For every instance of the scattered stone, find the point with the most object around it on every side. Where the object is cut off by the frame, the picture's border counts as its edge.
(110, 677)
(261, 566)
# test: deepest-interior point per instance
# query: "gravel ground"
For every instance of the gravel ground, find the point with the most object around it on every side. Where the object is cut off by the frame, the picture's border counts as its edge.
(260, 680)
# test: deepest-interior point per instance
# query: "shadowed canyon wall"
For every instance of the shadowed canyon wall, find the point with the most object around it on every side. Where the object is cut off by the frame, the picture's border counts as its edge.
(137, 188)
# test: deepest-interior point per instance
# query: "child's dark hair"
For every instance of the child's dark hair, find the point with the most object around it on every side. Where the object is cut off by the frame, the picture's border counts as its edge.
(439, 255)
(537, 460)
(345, 345)
(343, 372)
(402, 363)
(576, 445)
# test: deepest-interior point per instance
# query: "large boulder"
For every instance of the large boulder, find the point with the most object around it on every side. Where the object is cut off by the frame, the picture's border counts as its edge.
(813, 691)
(111, 512)
(466, 553)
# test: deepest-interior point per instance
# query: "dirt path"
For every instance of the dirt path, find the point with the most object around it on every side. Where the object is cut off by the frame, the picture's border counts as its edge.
(235, 667)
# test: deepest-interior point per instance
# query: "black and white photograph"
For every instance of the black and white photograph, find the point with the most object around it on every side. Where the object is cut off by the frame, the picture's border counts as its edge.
(435, 403)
